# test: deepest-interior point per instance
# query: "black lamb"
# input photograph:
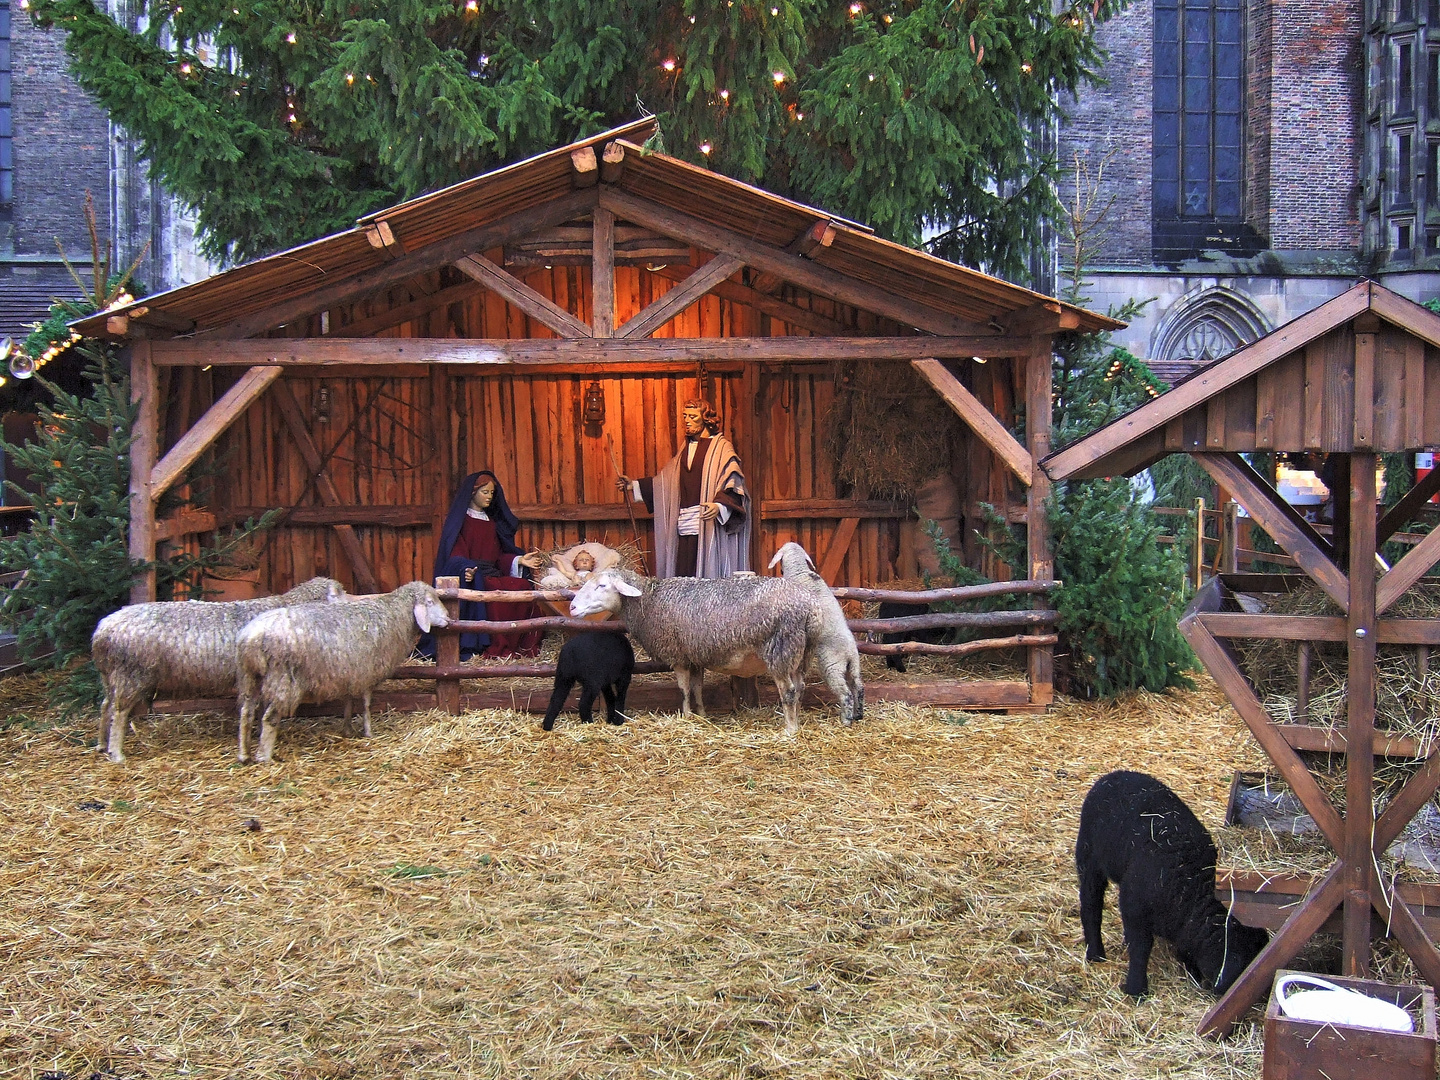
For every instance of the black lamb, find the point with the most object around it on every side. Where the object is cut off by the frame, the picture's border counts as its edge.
(1136, 832)
(601, 661)
(890, 609)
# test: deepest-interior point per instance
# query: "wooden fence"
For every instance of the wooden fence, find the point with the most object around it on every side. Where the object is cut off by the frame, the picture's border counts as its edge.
(1036, 630)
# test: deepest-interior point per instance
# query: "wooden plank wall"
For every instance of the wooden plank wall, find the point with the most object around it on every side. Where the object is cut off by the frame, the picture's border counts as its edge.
(402, 439)
(1306, 400)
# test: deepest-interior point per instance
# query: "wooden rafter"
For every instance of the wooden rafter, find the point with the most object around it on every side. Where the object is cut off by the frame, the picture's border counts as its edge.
(689, 291)
(1410, 569)
(1408, 508)
(210, 427)
(1278, 518)
(304, 302)
(977, 417)
(323, 352)
(818, 236)
(402, 313)
(801, 271)
(324, 486)
(540, 308)
(777, 309)
(602, 273)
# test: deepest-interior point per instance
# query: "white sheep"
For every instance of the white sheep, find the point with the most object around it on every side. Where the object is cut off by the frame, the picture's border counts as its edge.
(325, 652)
(831, 643)
(178, 646)
(730, 625)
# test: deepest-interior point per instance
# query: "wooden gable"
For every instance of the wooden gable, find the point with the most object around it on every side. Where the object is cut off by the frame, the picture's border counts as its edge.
(1359, 373)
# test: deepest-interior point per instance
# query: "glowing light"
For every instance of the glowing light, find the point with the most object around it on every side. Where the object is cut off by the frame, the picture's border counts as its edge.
(799, 116)
(724, 95)
(855, 9)
(778, 76)
(290, 37)
(185, 68)
(1025, 67)
(292, 119)
(471, 5)
(774, 11)
(872, 76)
(888, 19)
(705, 148)
(668, 65)
(349, 78)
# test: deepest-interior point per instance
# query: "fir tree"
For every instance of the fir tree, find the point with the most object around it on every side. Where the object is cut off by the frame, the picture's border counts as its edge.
(281, 121)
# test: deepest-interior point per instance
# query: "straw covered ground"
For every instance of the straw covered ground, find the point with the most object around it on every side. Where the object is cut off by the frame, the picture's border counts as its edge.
(467, 896)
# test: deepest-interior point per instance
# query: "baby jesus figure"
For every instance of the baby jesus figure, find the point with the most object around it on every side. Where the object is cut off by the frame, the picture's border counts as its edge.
(570, 569)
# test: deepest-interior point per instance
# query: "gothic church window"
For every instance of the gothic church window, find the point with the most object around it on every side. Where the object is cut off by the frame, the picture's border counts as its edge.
(1198, 164)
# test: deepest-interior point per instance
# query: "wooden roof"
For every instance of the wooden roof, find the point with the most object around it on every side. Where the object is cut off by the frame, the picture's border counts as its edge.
(506, 204)
(1359, 373)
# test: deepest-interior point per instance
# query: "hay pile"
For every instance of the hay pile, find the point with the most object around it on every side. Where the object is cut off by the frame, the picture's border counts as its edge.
(466, 896)
(1407, 700)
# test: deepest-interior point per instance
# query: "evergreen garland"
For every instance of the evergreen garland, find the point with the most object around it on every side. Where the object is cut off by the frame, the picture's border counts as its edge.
(283, 121)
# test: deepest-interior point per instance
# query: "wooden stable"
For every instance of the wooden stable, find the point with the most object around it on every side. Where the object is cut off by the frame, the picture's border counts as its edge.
(1356, 377)
(545, 321)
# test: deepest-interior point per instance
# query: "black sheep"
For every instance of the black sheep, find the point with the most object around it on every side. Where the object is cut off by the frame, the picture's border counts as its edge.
(1136, 832)
(601, 661)
(894, 610)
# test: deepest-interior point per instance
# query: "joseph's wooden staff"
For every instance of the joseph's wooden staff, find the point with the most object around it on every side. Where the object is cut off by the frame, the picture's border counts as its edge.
(629, 505)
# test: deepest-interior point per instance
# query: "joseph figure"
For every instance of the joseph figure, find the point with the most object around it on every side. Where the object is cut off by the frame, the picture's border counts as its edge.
(701, 507)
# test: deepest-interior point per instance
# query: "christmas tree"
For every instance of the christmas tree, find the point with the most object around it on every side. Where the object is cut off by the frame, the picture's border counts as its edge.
(282, 121)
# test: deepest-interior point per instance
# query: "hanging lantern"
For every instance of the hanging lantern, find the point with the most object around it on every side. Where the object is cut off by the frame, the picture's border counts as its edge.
(594, 411)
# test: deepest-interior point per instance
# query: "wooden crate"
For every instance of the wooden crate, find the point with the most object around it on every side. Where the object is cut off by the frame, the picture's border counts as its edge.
(1304, 1050)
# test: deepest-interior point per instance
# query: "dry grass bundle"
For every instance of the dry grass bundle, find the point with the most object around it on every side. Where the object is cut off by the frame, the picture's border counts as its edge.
(1407, 699)
(466, 896)
(887, 429)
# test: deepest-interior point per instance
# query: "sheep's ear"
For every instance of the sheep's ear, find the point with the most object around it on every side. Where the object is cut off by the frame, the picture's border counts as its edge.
(625, 588)
(422, 616)
(778, 556)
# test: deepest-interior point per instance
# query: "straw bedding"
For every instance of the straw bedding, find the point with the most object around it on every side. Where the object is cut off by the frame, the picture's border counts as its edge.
(466, 896)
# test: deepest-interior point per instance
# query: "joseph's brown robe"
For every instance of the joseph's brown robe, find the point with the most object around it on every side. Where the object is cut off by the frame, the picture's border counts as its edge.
(692, 483)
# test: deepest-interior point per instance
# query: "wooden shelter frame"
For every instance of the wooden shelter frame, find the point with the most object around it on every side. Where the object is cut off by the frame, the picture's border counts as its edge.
(242, 318)
(1358, 376)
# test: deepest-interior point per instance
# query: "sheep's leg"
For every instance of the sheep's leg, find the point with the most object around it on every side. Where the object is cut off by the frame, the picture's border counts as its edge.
(790, 686)
(697, 691)
(349, 709)
(1139, 939)
(367, 713)
(557, 702)
(684, 676)
(1092, 905)
(617, 704)
(107, 717)
(247, 717)
(587, 703)
(269, 729)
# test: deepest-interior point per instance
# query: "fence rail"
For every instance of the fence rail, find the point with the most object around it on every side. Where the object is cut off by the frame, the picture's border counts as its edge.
(448, 672)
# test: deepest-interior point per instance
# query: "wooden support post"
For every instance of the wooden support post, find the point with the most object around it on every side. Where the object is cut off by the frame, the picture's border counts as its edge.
(1340, 527)
(834, 558)
(1360, 731)
(1302, 695)
(1040, 556)
(602, 274)
(1230, 539)
(144, 389)
(1197, 561)
(447, 653)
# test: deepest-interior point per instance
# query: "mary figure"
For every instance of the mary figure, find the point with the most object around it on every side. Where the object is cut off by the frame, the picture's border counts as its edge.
(477, 545)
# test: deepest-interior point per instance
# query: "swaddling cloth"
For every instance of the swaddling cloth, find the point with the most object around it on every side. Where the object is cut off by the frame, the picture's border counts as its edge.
(689, 522)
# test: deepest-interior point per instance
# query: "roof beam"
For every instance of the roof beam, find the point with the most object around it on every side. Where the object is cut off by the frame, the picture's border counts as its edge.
(790, 314)
(402, 313)
(298, 301)
(976, 416)
(685, 293)
(400, 352)
(540, 308)
(818, 236)
(801, 271)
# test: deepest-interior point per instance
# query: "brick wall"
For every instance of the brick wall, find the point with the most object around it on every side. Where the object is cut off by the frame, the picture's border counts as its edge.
(1259, 35)
(1316, 96)
(1113, 121)
(61, 147)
